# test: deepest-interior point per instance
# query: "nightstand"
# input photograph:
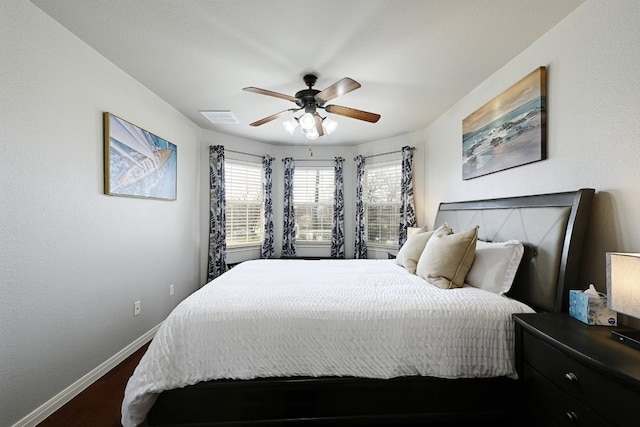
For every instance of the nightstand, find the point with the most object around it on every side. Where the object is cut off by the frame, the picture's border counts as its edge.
(575, 374)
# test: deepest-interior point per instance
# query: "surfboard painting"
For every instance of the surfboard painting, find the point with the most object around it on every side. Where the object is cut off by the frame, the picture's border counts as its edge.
(137, 162)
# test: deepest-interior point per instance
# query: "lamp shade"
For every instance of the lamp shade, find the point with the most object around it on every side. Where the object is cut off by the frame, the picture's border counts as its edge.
(311, 133)
(307, 121)
(291, 125)
(329, 125)
(623, 282)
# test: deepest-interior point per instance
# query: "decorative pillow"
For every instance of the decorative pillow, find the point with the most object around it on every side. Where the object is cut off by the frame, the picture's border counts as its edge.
(446, 260)
(495, 265)
(409, 253)
(415, 230)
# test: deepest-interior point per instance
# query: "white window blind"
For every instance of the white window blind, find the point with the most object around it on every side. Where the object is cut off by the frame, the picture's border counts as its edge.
(381, 194)
(245, 207)
(313, 203)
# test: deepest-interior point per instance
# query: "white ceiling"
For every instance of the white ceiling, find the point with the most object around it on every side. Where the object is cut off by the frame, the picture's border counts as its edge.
(414, 58)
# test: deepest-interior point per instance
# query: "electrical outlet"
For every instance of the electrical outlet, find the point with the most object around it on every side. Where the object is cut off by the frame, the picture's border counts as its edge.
(171, 290)
(136, 308)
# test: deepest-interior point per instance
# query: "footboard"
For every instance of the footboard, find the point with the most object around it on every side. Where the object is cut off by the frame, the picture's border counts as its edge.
(405, 401)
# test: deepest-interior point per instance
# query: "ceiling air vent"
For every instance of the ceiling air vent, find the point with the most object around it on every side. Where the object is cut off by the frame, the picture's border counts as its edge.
(220, 117)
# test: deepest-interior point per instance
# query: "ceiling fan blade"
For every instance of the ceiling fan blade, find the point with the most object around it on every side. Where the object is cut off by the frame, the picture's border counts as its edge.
(353, 113)
(271, 93)
(340, 87)
(318, 120)
(272, 117)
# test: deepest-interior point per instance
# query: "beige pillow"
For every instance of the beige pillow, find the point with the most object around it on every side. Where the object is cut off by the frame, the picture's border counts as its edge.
(409, 253)
(415, 230)
(446, 260)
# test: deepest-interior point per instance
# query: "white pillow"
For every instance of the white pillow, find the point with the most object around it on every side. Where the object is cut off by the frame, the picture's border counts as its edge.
(495, 265)
(409, 253)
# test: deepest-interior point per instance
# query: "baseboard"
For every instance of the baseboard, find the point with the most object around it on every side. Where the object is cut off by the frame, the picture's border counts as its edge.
(57, 401)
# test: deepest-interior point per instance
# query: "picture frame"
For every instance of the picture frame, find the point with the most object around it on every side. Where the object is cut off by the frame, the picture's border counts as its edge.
(137, 163)
(508, 131)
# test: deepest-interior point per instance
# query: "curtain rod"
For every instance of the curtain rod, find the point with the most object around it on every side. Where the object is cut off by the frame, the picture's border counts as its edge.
(384, 154)
(314, 160)
(241, 152)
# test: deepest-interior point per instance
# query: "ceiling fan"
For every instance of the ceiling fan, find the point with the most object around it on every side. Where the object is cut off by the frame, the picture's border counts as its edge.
(311, 100)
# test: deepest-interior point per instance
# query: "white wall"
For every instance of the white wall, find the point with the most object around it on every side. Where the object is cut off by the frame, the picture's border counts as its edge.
(73, 260)
(593, 100)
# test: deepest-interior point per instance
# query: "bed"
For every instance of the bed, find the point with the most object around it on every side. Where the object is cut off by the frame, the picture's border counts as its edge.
(312, 342)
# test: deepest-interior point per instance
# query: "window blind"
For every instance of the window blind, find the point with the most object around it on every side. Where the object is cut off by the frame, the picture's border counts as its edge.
(313, 202)
(244, 199)
(381, 194)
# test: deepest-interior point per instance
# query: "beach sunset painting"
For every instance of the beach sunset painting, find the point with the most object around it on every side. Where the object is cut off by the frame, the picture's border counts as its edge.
(508, 131)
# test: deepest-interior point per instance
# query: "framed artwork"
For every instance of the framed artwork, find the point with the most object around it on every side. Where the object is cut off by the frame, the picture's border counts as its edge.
(508, 131)
(137, 163)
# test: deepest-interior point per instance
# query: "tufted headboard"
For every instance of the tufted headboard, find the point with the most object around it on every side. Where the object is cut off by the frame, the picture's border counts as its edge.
(552, 228)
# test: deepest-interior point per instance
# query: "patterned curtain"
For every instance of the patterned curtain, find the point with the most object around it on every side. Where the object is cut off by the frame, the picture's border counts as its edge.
(217, 219)
(289, 226)
(337, 225)
(407, 207)
(361, 227)
(267, 184)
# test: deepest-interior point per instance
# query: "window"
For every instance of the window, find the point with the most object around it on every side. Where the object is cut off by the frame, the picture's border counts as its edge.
(313, 202)
(381, 194)
(245, 206)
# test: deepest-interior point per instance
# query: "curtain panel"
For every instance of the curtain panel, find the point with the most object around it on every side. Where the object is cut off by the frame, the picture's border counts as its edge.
(268, 249)
(337, 225)
(289, 221)
(217, 218)
(360, 226)
(407, 206)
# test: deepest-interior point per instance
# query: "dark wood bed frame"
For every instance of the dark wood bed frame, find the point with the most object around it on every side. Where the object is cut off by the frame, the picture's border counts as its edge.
(552, 226)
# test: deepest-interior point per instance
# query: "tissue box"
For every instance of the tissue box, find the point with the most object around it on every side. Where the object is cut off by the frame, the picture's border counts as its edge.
(590, 309)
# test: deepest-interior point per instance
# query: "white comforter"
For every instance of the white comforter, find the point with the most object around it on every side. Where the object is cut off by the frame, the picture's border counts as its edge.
(364, 318)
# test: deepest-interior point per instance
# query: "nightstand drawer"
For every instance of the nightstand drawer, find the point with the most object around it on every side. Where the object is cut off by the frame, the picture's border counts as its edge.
(601, 393)
(550, 406)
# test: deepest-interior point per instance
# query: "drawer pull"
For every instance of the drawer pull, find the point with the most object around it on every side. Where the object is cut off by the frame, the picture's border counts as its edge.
(571, 416)
(571, 377)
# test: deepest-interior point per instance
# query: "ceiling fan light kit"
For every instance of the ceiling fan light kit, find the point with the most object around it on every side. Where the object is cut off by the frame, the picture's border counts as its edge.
(308, 125)
(313, 125)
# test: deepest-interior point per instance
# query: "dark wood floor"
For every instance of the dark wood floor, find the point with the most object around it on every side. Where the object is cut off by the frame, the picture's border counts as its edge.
(99, 404)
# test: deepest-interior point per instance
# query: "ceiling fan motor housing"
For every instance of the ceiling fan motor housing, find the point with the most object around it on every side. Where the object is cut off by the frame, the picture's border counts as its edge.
(307, 99)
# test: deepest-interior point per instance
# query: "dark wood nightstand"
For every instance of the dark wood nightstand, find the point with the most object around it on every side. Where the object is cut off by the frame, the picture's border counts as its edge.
(575, 374)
